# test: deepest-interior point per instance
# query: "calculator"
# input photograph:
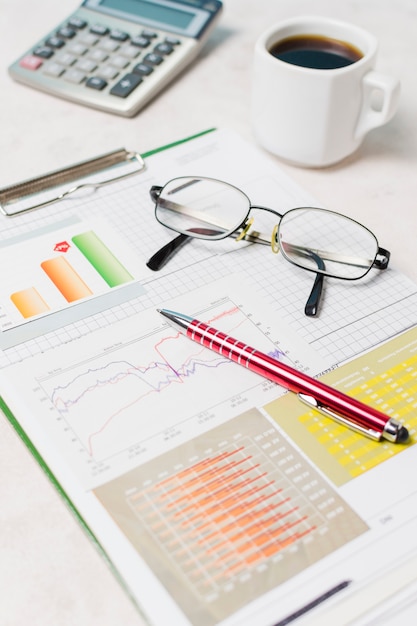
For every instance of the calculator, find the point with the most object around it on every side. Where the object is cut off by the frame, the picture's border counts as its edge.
(116, 55)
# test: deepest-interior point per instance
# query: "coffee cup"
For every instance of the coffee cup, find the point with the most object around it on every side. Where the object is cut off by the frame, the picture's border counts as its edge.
(315, 92)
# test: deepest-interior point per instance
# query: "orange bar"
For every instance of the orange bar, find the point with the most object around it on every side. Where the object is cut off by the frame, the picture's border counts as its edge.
(29, 302)
(66, 279)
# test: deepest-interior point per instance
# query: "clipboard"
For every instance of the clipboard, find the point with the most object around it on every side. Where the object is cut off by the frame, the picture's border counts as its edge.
(41, 191)
(52, 187)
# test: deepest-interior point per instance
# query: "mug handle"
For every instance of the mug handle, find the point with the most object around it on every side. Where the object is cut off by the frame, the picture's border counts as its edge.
(371, 117)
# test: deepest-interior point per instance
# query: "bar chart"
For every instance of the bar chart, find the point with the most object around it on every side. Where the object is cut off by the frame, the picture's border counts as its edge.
(58, 266)
(229, 515)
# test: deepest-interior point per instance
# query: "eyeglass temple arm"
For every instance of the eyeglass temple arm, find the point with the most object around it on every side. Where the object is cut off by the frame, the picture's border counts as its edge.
(312, 305)
(158, 260)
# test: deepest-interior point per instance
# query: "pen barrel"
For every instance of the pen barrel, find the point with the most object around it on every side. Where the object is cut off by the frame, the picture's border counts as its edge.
(286, 376)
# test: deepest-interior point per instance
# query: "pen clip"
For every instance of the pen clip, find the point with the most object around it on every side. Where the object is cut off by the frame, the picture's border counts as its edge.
(318, 406)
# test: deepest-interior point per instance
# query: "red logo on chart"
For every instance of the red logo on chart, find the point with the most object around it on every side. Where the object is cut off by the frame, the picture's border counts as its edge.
(62, 246)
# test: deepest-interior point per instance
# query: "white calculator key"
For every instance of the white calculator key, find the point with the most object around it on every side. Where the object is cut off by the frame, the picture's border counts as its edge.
(107, 72)
(130, 52)
(97, 55)
(88, 39)
(86, 65)
(64, 58)
(54, 69)
(74, 76)
(108, 45)
(119, 62)
(77, 48)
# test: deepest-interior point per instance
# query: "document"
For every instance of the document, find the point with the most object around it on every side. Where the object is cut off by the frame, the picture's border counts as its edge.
(218, 498)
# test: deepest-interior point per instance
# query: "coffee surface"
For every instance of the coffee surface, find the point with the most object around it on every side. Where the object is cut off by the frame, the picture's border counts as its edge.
(316, 52)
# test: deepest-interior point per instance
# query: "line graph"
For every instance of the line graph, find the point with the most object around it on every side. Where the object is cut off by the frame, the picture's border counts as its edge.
(146, 386)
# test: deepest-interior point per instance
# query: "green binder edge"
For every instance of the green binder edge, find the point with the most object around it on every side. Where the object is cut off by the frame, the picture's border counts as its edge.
(45, 467)
(176, 143)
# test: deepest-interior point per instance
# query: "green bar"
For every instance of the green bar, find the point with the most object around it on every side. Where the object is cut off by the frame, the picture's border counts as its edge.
(100, 257)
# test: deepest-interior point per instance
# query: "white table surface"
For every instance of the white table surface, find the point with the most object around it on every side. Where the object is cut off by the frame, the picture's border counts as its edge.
(50, 573)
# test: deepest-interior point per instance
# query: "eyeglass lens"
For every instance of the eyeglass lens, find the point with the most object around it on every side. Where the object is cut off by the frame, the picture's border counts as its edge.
(201, 207)
(308, 236)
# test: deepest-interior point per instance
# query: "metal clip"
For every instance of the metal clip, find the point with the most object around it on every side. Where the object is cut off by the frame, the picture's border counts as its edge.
(317, 406)
(31, 188)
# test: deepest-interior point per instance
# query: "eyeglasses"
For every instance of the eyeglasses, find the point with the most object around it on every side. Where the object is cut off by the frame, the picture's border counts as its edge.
(317, 240)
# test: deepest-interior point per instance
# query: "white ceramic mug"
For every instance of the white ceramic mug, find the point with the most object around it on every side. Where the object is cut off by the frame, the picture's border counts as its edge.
(316, 117)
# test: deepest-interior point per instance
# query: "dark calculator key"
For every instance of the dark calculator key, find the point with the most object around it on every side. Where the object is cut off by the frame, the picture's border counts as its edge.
(96, 83)
(126, 85)
(142, 42)
(142, 69)
(98, 29)
(77, 22)
(163, 48)
(150, 34)
(67, 33)
(153, 59)
(55, 42)
(172, 40)
(43, 52)
(119, 35)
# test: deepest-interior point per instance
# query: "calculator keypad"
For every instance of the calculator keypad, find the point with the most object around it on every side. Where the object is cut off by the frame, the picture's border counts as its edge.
(101, 58)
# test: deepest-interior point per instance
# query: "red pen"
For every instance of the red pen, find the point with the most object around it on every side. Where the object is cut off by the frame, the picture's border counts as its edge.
(317, 395)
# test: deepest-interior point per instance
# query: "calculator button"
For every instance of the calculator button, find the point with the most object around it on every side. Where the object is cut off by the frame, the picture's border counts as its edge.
(43, 52)
(30, 62)
(107, 72)
(77, 22)
(142, 69)
(172, 40)
(126, 85)
(97, 55)
(53, 69)
(86, 65)
(141, 42)
(77, 48)
(150, 34)
(96, 83)
(108, 45)
(55, 42)
(88, 39)
(119, 35)
(163, 48)
(98, 29)
(74, 76)
(129, 52)
(153, 59)
(66, 32)
(119, 62)
(65, 59)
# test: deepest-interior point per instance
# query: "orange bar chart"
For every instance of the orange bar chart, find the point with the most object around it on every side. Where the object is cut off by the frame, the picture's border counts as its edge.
(229, 515)
(66, 279)
(29, 302)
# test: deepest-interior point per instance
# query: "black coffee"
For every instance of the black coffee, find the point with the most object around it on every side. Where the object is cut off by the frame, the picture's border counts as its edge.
(316, 51)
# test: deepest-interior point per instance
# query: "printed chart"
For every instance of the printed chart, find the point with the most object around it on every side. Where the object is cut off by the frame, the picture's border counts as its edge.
(386, 378)
(229, 515)
(59, 266)
(152, 384)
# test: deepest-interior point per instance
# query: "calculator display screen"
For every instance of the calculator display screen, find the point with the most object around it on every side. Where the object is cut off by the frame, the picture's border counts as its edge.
(158, 12)
(172, 15)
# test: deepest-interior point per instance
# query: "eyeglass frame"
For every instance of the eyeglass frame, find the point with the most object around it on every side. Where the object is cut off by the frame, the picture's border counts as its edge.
(242, 232)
